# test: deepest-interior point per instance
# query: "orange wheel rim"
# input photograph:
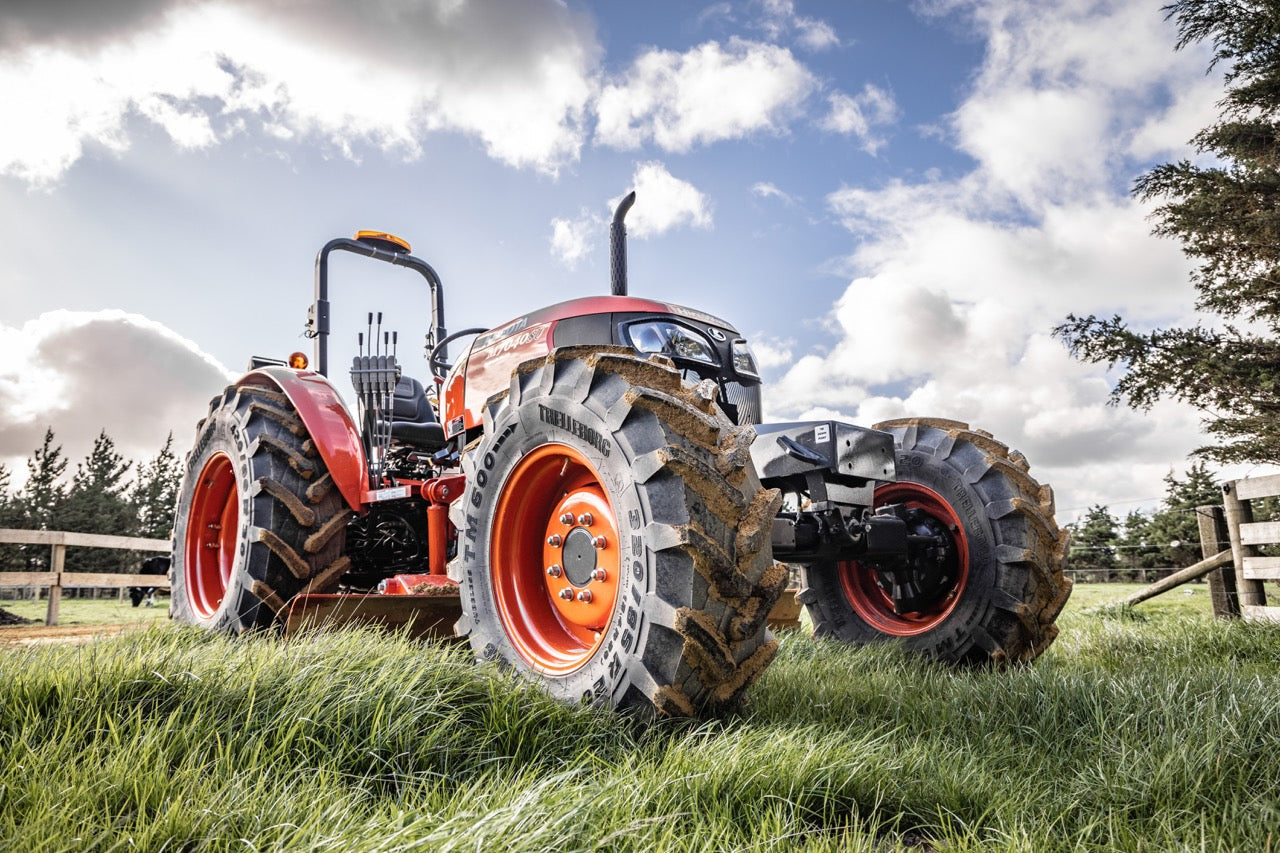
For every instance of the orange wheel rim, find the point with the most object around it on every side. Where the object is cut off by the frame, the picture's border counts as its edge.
(873, 603)
(210, 543)
(555, 558)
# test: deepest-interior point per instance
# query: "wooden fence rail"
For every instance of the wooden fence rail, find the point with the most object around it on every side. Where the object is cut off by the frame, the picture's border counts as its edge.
(1251, 567)
(57, 579)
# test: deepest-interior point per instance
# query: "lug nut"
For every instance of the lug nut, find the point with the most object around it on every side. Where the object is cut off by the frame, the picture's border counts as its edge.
(585, 596)
(554, 571)
(554, 540)
(585, 519)
(566, 518)
(566, 593)
(599, 575)
(599, 542)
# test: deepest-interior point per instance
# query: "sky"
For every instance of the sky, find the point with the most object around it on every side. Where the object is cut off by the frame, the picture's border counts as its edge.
(896, 202)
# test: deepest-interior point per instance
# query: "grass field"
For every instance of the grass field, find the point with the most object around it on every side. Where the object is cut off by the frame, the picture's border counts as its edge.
(1157, 729)
(91, 611)
(104, 611)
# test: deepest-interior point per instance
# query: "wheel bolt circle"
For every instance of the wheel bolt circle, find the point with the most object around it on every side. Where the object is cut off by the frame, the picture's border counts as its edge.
(554, 570)
(554, 540)
(586, 519)
(585, 596)
(566, 593)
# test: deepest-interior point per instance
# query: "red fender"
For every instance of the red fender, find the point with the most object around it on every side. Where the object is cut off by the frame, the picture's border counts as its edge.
(327, 420)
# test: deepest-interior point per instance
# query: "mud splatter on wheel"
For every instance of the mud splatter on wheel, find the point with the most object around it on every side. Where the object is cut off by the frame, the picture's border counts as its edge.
(994, 590)
(614, 539)
(258, 516)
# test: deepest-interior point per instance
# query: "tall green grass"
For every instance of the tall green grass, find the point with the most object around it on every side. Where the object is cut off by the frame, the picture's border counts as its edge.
(1133, 732)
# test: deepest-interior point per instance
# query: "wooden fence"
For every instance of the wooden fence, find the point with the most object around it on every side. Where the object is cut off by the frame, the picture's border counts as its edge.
(1247, 536)
(57, 579)
(1231, 543)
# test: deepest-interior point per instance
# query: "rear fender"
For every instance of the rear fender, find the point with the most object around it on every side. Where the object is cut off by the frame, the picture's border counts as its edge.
(327, 421)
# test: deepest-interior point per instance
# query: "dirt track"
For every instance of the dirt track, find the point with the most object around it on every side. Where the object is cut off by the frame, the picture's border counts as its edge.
(37, 635)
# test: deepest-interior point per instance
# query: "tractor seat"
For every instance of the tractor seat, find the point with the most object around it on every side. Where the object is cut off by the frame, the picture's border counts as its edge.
(415, 422)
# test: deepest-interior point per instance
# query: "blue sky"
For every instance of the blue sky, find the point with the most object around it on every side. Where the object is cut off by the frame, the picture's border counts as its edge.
(895, 201)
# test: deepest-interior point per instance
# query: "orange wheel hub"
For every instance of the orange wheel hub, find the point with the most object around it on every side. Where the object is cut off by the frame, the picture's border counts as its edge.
(862, 584)
(209, 547)
(554, 559)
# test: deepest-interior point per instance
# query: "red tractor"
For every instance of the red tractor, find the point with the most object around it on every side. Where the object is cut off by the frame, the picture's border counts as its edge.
(590, 492)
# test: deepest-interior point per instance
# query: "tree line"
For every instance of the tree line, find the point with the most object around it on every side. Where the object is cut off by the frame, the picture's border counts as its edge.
(1168, 537)
(105, 494)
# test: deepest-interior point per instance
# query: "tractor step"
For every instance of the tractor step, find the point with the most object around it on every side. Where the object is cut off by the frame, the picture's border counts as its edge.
(420, 615)
(429, 615)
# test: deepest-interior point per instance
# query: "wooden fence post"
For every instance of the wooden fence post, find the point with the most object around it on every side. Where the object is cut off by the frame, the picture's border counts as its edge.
(1222, 582)
(1238, 512)
(56, 564)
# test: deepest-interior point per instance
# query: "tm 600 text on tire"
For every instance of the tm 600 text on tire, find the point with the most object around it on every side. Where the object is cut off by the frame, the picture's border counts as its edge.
(258, 518)
(614, 538)
(994, 592)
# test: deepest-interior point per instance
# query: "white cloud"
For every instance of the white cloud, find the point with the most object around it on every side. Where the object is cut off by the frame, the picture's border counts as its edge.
(771, 351)
(1055, 107)
(522, 79)
(355, 74)
(779, 19)
(861, 115)
(764, 189)
(707, 94)
(571, 239)
(664, 202)
(959, 281)
(82, 372)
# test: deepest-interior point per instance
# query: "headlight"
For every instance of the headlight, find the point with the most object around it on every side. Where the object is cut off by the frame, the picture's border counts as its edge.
(744, 361)
(663, 336)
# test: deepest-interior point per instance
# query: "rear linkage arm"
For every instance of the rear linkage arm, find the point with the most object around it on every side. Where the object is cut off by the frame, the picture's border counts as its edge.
(838, 465)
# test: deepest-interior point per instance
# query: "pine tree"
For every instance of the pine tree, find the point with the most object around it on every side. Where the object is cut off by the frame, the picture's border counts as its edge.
(10, 517)
(1227, 216)
(1175, 527)
(44, 493)
(1136, 542)
(155, 493)
(1093, 541)
(96, 503)
(40, 501)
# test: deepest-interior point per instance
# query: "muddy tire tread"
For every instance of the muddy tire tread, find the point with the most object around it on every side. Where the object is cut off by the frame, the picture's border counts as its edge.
(1029, 587)
(707, 640)
(291, 501)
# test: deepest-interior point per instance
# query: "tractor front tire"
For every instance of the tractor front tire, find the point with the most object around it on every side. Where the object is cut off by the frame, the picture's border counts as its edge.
(997, 601)
(259, 519)
(614, 540)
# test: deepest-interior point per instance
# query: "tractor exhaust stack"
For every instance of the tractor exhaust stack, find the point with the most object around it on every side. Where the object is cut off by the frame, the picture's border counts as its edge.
(618, 246)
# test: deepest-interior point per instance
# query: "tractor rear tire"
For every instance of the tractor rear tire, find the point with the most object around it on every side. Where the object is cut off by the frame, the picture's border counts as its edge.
(614, 540)
(1000, 599)
(259, 519)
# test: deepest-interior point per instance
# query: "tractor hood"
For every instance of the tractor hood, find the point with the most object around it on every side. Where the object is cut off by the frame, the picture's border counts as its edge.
(487, 366)
(589, 305)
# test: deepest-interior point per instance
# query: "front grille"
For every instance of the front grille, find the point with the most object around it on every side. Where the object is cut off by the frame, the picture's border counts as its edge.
(745, 400)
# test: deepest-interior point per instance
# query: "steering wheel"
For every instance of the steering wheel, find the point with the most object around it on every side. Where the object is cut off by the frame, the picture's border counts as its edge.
(438, 366)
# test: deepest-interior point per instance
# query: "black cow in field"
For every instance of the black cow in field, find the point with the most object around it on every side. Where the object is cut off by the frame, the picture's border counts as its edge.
(150, 566)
